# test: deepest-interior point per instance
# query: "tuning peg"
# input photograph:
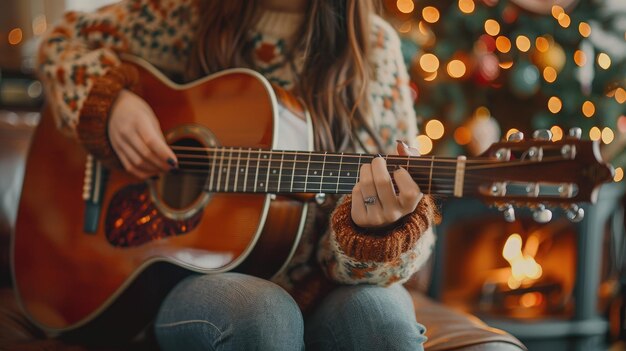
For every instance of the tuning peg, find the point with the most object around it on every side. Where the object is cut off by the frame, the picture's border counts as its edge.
(541, 214)
(575, 133)
(509, 212)
(574, 213)
(517, 136)
(542, 134)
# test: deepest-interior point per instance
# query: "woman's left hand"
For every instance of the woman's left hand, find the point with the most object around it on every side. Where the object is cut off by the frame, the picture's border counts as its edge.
(374, 201)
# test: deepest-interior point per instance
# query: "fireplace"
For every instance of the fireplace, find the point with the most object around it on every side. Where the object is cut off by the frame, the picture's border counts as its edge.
(550, 284)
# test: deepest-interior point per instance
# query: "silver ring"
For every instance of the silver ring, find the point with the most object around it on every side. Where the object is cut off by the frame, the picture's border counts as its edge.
(370, 200)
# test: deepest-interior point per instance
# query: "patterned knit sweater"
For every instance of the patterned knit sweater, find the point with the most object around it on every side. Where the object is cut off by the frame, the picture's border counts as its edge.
(80, 56)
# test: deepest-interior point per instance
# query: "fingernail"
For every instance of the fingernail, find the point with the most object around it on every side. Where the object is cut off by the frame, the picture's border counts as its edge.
(379, 155)
(403, 143)
(172, 163)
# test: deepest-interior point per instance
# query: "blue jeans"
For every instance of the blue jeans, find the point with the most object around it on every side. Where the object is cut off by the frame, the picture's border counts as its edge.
(234, 311)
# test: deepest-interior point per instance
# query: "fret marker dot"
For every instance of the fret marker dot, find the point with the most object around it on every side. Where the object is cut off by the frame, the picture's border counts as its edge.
(264, 156)
(331, 173)
(274, 171)
(261, 184)
(224, 170)
(241, 170)
(348, 173)
(315, 172)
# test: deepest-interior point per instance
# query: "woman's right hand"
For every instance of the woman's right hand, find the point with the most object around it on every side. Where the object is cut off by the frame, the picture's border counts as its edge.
(136, 137)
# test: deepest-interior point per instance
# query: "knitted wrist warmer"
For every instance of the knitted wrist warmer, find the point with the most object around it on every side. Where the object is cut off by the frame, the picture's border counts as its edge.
(93, 124)
(381, 245)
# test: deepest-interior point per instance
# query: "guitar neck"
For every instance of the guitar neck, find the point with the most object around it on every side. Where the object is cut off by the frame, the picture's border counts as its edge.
(272, 171)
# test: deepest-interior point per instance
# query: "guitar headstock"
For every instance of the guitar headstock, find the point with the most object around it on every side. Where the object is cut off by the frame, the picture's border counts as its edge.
(539, 173)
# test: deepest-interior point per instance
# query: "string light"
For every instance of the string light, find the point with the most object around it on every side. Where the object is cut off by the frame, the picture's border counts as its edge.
(424, 144)
(607, 135)
(595, 133)
(619, 174)
(492, 27)
(554, 104)
(429, 63)
(580, 58)
(430, 14)
(523, 43)
(503, 44)
(564, 20)
(15, 36)
(466, 6)
(506, 64)
(405, 6)
(584, 29)
(549, 74)
(456, 68)
(620, 95)
(604, 60)
(588, 108)
(542, 44)
(431, 77)
(557, 133)
(462, 135)
(557, 11)
(434, 129)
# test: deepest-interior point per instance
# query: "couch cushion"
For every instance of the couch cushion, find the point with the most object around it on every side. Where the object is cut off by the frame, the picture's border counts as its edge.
(447, 329)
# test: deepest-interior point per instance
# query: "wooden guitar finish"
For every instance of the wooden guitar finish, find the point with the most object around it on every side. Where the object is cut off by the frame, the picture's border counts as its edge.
(66, 277)
(81, 268)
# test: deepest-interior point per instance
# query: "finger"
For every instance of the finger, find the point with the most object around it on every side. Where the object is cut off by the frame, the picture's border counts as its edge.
(409, 192)
(129, 167)
(154, 140)
(405, 150)
(147, 155)
(383, 184)
(358, 210)
(138, 161)
(368, 189)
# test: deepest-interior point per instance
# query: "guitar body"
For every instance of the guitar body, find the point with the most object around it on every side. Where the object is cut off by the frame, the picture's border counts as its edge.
(112, 279)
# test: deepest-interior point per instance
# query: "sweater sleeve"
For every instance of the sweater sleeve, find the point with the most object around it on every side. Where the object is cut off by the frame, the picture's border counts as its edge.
(352, 255)
(80, 66)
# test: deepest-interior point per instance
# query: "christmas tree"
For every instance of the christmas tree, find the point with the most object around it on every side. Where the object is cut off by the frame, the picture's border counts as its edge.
(483, 69)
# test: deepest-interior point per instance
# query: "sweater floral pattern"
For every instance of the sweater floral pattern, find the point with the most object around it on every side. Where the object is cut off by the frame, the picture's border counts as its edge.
(84, 47)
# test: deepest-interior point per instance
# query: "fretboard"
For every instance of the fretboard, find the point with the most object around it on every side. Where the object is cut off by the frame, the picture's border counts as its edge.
(242, 170)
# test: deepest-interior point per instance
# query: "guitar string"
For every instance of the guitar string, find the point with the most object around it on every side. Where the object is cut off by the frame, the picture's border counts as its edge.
(496, 164)
(426, 159)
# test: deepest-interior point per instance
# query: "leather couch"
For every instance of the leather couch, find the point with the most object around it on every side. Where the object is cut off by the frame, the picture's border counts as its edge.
(446, 329)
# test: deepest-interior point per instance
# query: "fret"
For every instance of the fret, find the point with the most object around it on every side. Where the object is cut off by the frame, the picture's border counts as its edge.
(299, 173)
(213, 169)
(245, 179)
(339, 172)
(230, 158)
(306, 180)
(237, 170)
(256, 173)
(268, 169)
(280, 171)
(293, 170)
(330, 174)
(322, 173)
(219, 171)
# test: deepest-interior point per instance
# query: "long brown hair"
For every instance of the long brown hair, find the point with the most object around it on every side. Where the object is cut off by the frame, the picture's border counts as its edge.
(335, 76)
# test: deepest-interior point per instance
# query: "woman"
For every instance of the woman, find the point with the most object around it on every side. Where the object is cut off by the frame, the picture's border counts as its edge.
(345, 63)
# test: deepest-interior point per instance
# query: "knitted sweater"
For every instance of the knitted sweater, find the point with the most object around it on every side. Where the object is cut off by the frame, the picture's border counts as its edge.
(82, 51)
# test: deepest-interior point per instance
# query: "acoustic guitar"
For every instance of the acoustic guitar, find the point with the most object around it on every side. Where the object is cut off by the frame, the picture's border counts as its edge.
(96, 250)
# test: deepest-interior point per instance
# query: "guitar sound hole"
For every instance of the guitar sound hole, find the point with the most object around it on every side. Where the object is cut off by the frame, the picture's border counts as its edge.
(183, 188)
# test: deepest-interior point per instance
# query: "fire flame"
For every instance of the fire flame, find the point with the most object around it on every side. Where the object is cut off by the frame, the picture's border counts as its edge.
(524, 268)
